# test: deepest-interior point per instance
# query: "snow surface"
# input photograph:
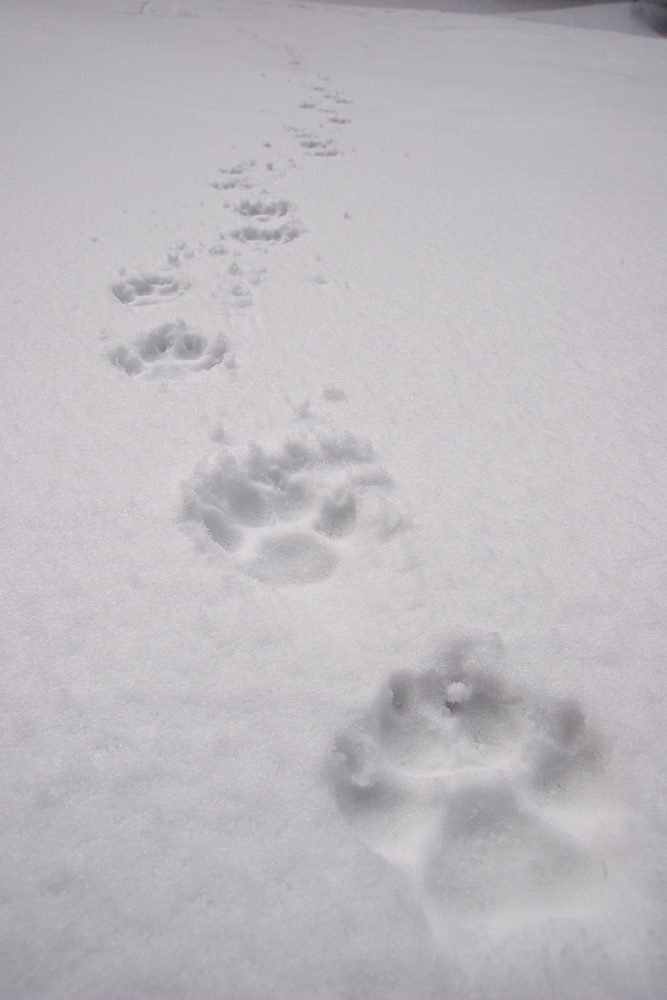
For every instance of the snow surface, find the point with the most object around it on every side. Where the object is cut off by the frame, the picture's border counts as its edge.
(333, 520)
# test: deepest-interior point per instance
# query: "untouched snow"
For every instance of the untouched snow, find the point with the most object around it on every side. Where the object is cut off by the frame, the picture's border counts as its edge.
(333, 520)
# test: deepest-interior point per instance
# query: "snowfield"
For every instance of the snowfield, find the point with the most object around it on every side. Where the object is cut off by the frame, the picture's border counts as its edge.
(334, 533)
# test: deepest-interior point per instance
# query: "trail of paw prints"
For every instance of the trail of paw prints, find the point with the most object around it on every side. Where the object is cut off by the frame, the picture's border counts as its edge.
(257, 223)
(291, 515)
(491, 800)
(262, 220)
(331, 108)
(168, 350)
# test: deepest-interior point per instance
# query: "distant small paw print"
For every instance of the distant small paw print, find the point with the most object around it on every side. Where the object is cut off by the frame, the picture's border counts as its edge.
(264, 210)
(317, 146)
(333, 394)
(267, 234)
(148, 288)
(236, 177)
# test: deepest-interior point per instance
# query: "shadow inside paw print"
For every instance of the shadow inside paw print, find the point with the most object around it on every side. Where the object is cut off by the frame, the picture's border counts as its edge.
(489, 798)
(492, 857)
(170, 349)
(457, 714)
(569, 760)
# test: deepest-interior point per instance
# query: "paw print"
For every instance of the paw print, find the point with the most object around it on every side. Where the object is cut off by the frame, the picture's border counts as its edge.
(490, 799)
(148, 288)
(169, 349)
(289, 516)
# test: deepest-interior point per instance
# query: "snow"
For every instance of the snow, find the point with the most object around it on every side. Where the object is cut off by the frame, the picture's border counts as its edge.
(333, 523)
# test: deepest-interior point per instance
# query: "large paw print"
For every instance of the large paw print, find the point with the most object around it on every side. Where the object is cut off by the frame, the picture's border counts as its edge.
(288, 516)
(170, 349)
(490, 800)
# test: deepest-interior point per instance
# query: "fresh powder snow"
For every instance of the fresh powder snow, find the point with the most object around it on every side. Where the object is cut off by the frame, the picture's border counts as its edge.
(334, 535)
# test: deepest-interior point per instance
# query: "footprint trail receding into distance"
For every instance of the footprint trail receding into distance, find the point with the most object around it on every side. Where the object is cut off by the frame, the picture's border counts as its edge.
(255, 224)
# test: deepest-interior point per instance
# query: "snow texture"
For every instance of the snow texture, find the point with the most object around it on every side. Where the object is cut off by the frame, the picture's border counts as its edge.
(333, 521)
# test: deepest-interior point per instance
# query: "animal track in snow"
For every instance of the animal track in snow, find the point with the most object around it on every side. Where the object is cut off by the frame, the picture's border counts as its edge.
(148, 288)
(337, 98)
(170, 349)
(288, 516)
(490, 800)
(318, 147)
(242, 282)
(235, 177)
(284, 233)
(239, 169)
(333, 394)
(178, 254)
(264, 210)
(266, 225)
(245, 176)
